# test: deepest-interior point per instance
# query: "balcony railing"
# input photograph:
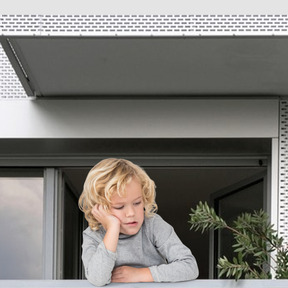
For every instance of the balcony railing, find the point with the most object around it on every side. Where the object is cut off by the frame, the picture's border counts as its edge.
(188, 284)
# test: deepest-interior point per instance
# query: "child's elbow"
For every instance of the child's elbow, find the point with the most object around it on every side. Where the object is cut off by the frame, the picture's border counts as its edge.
(97, 281)
(194, 271)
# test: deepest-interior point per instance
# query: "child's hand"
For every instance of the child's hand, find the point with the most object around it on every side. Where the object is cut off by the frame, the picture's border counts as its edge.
(110, 223)
(104, 217)
(131, 274)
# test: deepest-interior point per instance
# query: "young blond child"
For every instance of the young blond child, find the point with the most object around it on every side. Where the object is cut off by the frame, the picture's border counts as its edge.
(126, 240)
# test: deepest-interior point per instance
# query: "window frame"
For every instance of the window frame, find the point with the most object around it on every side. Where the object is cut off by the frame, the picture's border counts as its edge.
(51, 172)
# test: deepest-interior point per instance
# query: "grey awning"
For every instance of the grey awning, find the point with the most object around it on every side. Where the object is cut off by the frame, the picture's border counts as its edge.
(197, 66)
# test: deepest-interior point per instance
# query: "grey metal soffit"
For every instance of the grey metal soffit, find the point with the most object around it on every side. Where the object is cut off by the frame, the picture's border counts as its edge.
(100, 55)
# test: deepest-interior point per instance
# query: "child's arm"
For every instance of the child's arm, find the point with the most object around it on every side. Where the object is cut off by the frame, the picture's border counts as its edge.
(181, 264)
(131, 274)
(111, 224)
(98, 253)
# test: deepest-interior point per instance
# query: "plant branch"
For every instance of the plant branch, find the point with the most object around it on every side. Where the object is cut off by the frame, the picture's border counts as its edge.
(255, 237)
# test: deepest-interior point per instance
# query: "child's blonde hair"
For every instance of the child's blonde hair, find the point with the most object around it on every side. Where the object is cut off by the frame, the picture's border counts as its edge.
(110, 176)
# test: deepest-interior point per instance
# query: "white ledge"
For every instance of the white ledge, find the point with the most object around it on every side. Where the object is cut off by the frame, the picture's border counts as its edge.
(188, 284)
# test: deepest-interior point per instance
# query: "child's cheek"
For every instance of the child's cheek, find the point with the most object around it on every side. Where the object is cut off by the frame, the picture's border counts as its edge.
(116, 213)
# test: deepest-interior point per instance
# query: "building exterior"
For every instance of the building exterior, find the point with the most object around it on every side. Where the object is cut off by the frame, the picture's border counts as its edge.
(188, 97)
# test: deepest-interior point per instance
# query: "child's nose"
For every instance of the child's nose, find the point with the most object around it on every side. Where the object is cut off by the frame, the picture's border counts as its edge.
(130, 211)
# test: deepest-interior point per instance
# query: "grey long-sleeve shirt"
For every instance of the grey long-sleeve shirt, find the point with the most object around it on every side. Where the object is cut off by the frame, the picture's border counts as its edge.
(156, 246)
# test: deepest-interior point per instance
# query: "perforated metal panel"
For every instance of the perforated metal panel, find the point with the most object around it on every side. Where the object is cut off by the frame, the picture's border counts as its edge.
(283, 171)
(138, 25)
(10, 86)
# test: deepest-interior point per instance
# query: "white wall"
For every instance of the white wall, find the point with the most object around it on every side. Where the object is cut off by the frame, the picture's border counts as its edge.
(196, 118)
(184, 7)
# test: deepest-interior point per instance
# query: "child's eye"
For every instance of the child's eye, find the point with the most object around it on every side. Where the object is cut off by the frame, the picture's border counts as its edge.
(118, 208)
(137, 203)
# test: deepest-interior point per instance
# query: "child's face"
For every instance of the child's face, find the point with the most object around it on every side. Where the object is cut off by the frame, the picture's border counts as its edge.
(129, 209)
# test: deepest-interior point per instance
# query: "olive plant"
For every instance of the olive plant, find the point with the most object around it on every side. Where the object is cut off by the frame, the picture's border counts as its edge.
(254, 238)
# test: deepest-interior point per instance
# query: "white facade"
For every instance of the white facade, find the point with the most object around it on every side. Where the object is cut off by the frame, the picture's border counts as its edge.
(199, 116)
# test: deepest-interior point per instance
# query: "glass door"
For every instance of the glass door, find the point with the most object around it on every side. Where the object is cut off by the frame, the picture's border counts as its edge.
(245, 196)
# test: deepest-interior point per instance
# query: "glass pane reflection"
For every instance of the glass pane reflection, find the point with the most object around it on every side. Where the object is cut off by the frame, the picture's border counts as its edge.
(21, 225)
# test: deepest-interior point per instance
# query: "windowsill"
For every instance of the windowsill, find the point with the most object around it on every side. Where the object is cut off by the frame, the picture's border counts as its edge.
(188, 284)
